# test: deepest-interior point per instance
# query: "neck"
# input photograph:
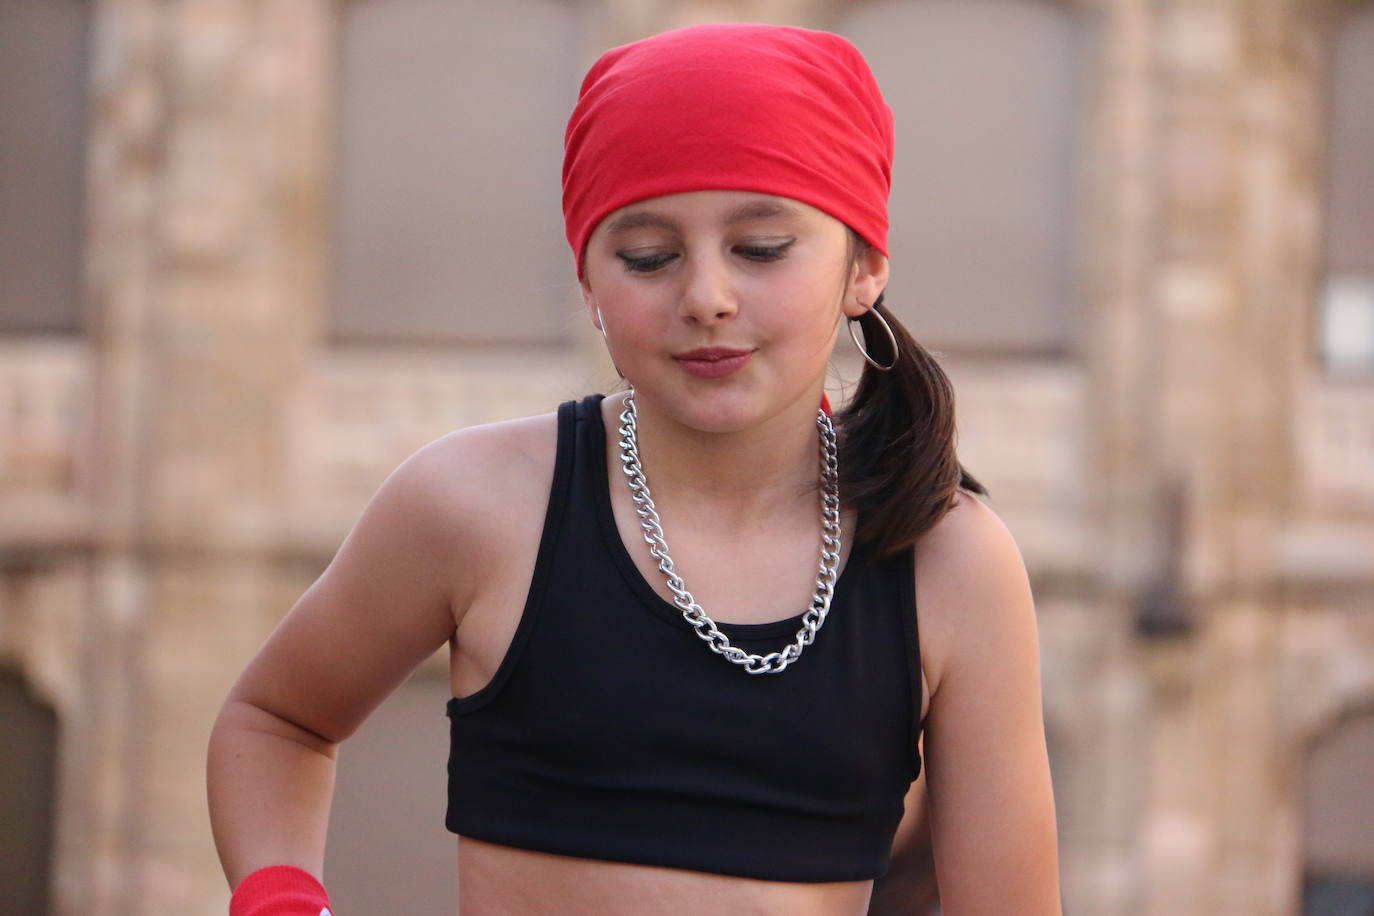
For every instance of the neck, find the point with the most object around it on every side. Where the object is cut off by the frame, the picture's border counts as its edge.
(744, 474)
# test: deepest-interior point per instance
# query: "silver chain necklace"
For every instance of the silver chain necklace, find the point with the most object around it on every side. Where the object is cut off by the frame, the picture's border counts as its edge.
(773, 662)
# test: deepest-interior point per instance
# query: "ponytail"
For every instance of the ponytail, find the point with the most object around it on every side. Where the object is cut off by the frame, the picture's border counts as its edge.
(898, 469)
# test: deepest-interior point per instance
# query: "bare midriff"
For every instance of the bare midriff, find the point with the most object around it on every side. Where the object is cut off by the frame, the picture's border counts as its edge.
(496, 880)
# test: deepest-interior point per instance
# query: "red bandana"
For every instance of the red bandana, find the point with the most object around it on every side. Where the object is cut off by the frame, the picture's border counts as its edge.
(734, 106)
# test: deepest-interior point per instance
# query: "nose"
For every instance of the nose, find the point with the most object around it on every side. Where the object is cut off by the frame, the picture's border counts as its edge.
(708, 293)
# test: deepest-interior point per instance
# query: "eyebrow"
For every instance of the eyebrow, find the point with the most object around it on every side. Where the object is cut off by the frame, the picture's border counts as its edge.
(752, 209)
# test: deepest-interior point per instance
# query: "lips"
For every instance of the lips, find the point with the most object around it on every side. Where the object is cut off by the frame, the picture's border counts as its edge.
(714, 362)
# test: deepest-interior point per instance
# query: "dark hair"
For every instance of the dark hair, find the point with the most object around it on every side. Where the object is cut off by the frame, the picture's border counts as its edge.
(898, 469)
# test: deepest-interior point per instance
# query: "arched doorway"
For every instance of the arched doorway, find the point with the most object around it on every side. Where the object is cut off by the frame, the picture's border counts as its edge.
(1338, 835)
(28, 734)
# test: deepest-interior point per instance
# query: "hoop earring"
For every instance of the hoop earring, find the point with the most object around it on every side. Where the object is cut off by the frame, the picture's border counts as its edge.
(601, 326)
(892, 338)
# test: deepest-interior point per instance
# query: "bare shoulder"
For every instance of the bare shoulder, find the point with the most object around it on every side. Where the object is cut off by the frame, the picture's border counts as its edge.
(968, 538)
(480, 482)
(471, 461)
(492, 445)
(397, 586)
(971, 583)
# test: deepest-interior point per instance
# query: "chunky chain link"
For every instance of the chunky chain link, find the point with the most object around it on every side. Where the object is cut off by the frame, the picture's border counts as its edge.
(773, 662)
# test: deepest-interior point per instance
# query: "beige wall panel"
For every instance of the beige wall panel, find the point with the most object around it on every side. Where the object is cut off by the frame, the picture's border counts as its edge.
(989, 100)
(1350, 160)
(43, 124)
(447, 222)
(1339, 799)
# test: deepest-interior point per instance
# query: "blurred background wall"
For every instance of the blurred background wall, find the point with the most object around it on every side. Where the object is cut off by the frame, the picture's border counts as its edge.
(253, 254)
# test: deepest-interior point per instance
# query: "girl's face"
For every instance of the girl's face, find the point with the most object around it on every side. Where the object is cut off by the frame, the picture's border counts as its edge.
(722, 306)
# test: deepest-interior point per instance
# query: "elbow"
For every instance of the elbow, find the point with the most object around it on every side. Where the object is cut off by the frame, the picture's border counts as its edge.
(238, 717)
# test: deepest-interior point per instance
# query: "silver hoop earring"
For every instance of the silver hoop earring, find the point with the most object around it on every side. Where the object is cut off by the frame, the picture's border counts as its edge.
(601, 326)
(892, 338)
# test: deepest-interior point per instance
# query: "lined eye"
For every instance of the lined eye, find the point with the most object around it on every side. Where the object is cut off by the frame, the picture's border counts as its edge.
(764, 252)
(646, 263)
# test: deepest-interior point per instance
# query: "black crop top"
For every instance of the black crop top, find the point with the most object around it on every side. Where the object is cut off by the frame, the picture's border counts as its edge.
(611, 731)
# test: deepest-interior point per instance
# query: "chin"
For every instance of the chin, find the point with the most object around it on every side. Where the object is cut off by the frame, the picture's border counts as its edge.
(725, 410)
(712, 415)
(732, 404)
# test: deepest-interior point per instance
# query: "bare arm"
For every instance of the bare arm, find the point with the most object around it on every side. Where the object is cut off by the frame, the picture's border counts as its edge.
(991, 802)
(381, 607)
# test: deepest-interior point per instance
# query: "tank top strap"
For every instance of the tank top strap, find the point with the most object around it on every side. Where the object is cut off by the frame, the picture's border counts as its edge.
(564, 467)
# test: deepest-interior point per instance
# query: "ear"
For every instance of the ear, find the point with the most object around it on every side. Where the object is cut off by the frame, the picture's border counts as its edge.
(867, 280)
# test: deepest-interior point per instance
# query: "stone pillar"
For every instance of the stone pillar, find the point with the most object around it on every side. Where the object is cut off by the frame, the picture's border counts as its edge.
(1220, 356)
(1101, 853)
(207, 174)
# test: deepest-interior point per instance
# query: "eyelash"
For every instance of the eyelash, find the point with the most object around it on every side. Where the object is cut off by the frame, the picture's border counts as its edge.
(762, 253)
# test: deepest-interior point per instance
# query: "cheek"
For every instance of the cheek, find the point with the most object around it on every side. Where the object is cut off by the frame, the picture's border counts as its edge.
(630, 320)
(810, 307)
(803, 332)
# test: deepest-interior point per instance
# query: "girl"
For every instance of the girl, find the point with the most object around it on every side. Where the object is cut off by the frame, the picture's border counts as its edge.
(696, 627)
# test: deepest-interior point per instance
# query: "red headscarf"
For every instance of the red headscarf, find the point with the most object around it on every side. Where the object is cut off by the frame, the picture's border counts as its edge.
(737, 106)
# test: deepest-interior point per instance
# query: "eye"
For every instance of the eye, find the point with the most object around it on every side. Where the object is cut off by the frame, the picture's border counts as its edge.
(646, 263)
(764, 252)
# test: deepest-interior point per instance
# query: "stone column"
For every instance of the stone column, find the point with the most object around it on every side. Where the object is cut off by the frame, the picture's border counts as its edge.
(1101, 854)
(1223, 353)
(207, 170)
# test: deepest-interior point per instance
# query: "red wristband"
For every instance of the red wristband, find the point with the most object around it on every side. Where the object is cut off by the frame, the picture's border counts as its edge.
(279, 890)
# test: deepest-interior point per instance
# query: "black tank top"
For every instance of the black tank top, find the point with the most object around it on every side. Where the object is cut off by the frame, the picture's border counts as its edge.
(611, 731)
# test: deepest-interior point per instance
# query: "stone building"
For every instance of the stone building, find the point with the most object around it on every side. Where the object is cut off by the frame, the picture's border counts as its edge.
(255, 253)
